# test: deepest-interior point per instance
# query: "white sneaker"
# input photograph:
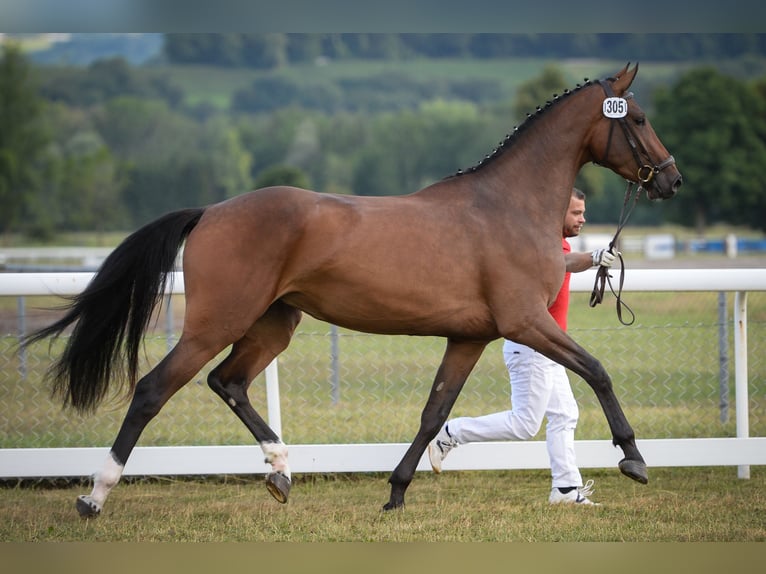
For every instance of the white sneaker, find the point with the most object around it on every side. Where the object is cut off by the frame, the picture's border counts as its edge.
(576, 496)
(439, 448)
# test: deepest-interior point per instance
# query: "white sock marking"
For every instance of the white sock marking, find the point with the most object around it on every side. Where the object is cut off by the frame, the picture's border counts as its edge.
(106, 479)
(276, 456)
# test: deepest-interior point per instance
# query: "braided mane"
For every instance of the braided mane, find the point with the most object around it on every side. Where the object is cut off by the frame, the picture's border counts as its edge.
(511, 138)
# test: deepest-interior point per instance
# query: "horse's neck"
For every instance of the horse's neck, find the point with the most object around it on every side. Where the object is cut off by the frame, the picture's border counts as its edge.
(537, 173)
(553, 148)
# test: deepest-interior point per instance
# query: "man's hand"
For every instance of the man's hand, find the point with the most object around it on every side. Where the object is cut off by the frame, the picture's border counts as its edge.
(604, 257)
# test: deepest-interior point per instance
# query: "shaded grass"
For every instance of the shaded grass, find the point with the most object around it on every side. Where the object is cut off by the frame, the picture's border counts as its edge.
(688, 504)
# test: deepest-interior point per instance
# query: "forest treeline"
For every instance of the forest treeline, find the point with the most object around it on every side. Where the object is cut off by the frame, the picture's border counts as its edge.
(110, 146)
(279, 49)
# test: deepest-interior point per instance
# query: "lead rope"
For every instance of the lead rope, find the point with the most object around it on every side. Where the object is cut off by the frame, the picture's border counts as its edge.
(602, 274)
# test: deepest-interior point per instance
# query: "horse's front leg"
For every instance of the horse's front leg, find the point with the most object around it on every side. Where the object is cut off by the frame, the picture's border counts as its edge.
(633, 464)
(550, 340)
(590, 369)
(457, 363)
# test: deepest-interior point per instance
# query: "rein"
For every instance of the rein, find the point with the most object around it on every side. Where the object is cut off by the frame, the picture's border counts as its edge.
(602, 274)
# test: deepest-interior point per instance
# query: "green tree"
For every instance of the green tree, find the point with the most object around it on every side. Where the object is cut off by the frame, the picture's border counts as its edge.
(303, 47)
(23, 139)
(264, 51)
(229, 162)
(268, 138)
(411, 149)
(91, 188)
(538, 90)
(137, 129)
(715, 127)
(282, 175)
(81, 185)
(374, 46)
(455, 136)
(104, 80)
(170, 161)
(375, 174)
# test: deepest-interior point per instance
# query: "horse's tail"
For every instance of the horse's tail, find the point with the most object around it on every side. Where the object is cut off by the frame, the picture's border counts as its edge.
(113, 312)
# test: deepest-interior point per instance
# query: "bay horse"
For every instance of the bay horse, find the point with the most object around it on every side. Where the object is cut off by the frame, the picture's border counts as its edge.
(471, 258)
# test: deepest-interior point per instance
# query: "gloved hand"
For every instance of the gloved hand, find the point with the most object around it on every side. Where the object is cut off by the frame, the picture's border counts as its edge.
(604, 257)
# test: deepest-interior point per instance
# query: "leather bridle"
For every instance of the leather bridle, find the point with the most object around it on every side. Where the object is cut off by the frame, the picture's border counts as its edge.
(644, 174)
(646, 170)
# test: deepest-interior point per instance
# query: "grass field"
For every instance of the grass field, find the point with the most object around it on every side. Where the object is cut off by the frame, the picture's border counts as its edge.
(678, 505)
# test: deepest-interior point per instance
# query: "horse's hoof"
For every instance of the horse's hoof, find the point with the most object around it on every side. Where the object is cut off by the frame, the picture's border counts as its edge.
(278, 485)
(391, 505)
(635, 469)
(87, 507)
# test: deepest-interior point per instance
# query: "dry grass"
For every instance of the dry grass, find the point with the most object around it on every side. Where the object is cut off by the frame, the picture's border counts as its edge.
(678, 505)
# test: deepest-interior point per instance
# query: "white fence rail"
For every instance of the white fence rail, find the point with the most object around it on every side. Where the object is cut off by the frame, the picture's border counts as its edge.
(741, 451)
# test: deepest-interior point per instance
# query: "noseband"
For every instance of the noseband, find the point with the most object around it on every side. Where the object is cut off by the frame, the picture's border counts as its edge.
(646, 170)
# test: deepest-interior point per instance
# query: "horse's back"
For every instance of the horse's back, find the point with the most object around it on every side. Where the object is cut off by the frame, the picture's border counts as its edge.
(266, 236)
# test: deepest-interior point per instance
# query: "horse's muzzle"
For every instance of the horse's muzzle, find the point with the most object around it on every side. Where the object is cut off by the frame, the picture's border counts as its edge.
(664, 184)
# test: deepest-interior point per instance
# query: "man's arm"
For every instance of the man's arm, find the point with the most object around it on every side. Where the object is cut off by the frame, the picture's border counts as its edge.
(582, 260)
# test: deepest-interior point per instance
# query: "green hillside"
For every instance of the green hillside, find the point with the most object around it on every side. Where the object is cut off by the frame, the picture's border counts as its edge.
(216, 85)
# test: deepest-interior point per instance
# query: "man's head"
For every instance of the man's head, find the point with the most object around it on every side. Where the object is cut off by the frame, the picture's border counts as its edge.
(575, 215)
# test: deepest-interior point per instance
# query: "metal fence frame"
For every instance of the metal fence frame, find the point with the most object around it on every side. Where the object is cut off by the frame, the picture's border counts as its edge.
(741, 451)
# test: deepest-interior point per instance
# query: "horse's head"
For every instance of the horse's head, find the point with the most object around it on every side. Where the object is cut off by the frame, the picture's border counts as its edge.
(625, 141)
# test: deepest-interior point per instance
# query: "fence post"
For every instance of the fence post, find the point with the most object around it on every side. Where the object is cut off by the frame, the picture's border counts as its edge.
(723, 357)
(22, 329)
(740, 372)
(334, 364)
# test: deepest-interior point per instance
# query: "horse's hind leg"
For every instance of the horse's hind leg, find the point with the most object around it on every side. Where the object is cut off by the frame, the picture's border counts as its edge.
(230, 380)
(457, 363)
(152, 392)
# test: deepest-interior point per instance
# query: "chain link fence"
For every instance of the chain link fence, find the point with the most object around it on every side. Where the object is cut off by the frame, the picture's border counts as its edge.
(673, 371)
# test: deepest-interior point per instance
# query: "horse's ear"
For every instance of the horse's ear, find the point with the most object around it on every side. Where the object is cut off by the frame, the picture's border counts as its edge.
(624, 79)
(622, 72)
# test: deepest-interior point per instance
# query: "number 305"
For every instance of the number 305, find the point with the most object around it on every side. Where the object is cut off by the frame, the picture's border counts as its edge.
(615, 107)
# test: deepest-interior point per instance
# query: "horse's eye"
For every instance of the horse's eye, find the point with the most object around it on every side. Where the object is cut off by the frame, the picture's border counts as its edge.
(640, 120)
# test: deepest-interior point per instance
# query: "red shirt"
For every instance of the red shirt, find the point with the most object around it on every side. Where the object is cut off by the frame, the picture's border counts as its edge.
(560, 306)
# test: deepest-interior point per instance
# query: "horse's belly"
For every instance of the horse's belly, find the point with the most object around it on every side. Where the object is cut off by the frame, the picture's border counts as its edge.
(399, 315)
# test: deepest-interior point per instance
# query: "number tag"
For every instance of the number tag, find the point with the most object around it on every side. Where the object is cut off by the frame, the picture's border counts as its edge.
(615, 107)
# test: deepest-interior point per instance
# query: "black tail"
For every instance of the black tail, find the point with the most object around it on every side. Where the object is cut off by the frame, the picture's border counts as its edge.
(113, 312)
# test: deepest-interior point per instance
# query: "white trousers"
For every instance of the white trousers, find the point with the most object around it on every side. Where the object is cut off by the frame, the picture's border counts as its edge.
(539, 388)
